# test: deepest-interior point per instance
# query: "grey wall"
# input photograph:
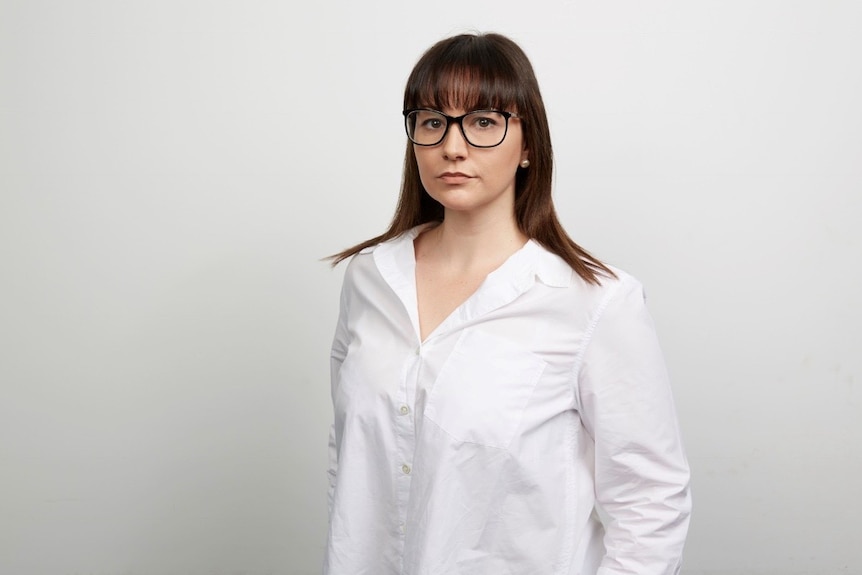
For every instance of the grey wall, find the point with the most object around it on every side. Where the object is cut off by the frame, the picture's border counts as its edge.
(171, 173)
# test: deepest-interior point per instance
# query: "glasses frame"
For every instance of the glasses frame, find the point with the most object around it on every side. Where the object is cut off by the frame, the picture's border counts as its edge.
(460, 121)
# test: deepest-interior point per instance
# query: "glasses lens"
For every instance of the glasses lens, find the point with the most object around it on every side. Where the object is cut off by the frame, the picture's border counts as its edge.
(425, 127)
(484, 128)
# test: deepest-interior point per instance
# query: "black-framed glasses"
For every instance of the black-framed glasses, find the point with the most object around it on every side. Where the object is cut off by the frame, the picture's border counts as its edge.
(480, 128)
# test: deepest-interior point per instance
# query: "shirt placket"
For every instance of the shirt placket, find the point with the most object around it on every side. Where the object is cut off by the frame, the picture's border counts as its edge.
(397, 267)
(406, 438)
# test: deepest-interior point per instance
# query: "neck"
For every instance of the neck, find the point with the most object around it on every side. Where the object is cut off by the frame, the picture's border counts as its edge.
(466, 241)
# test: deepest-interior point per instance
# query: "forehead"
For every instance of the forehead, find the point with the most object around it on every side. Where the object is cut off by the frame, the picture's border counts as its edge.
(461, 88)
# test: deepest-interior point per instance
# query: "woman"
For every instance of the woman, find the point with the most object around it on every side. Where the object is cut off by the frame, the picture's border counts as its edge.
(501, 402)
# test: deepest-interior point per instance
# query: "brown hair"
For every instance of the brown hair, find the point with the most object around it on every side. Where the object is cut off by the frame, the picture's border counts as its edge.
(482, 71)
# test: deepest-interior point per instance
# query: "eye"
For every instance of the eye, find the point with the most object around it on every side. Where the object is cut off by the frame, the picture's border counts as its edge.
(484, 121)
(428, 121)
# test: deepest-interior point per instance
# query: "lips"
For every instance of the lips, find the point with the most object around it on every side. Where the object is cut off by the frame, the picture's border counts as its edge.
(454, 177)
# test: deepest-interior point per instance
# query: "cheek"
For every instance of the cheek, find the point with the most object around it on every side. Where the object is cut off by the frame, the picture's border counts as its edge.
(506, 165)
(424, 167)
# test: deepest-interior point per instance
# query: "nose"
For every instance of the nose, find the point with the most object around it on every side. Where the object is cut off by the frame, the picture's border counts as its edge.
(454, 146)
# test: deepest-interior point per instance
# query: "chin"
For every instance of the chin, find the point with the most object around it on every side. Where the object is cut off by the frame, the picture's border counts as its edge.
(456, 204)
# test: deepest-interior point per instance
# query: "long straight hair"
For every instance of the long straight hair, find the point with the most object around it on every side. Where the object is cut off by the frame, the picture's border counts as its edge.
(486, 71)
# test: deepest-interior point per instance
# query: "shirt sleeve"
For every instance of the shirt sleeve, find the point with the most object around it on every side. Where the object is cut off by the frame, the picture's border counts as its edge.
(337, 355)
(641, 472)
(332, 469)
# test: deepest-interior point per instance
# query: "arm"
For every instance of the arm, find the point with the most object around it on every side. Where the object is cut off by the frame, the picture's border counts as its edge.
(338, 353)
(641, 473)
(332, 469)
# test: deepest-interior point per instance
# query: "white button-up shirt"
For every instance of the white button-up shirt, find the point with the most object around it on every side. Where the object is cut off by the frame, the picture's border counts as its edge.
(533, 432)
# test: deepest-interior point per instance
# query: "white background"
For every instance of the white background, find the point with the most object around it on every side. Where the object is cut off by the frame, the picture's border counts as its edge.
(172, 171)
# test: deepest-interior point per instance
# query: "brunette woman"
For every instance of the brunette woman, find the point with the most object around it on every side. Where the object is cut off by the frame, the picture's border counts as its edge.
(501, 402)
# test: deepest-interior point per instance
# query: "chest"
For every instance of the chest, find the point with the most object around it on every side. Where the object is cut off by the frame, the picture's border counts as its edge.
(439, 292)
(478, 384)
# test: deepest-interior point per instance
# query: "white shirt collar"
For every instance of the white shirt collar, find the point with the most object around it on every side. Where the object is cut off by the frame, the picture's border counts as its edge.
(532, 261)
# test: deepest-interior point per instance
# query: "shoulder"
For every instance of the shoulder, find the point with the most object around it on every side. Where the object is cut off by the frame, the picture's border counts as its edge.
(554, 271)
(620, 284)
(620, 312)
(358, 265)
(389, 259)
(618, 298)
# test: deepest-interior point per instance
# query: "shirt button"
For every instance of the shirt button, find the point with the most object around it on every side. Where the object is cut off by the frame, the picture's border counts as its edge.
(401, 528)
(404, 410)
(419, 350)
(405, 469)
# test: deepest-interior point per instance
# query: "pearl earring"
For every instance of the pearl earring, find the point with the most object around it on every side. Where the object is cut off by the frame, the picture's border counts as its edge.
(525, 163)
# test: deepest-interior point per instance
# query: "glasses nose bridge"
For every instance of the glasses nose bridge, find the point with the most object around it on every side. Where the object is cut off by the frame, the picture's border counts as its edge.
(455, 120)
